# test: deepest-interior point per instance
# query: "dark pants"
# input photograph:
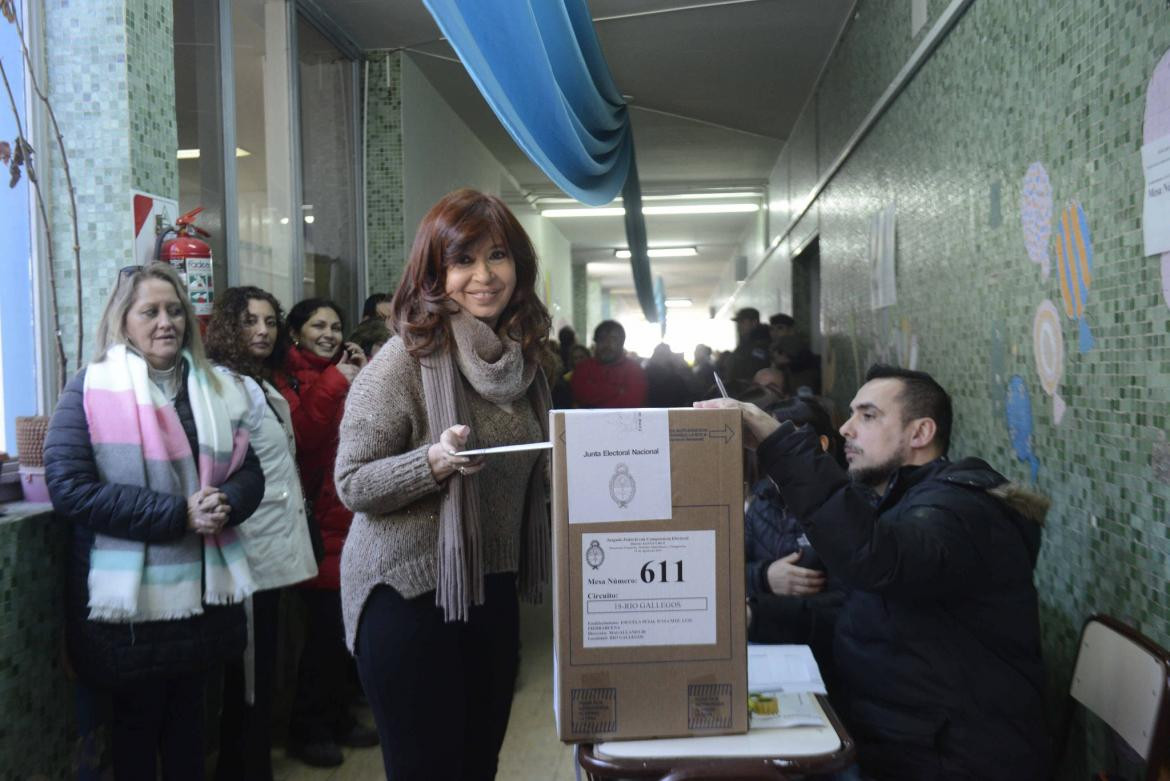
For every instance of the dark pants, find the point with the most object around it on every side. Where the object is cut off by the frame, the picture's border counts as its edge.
(153, 718)
(320, 711)
(440, 692)
(91, 708)
(245, 731)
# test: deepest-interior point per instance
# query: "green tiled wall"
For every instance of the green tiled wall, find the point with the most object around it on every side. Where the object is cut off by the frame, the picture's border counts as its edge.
(36, 706)
(110, 79)
(386, 240)
(150, 71)
(111, 82)
(1063, 84)
(580, 302)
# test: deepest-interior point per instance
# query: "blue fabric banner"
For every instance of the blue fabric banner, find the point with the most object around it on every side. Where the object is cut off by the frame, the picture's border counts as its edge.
(539, 65)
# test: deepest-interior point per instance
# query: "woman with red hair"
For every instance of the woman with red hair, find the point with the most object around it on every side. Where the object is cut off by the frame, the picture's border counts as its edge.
(441, 543)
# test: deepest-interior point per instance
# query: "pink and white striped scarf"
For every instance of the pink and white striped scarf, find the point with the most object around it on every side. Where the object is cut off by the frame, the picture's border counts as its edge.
(139, 440)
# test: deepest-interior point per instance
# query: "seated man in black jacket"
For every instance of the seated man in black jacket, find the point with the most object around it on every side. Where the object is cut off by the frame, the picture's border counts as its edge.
(938, 643)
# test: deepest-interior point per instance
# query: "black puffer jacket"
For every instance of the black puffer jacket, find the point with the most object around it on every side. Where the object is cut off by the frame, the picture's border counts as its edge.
(771, 532)
(938, 643)
(114, 654)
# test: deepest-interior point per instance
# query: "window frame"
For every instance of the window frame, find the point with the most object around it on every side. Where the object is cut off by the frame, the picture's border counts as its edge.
(313, 15)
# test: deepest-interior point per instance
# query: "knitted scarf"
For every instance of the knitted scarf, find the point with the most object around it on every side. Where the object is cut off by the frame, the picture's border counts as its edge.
(495, 368)
(139, 440)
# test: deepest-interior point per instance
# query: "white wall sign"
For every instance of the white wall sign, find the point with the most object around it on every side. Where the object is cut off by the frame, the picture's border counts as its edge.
(618, 465)
(1156, 161)
(883, 279)
(146, 209)
(652, 588)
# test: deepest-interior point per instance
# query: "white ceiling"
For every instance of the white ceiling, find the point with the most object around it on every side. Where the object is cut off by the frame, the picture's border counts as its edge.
(714, 88)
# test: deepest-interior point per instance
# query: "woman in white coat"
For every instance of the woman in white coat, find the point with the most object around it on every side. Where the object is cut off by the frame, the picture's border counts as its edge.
(245, 338)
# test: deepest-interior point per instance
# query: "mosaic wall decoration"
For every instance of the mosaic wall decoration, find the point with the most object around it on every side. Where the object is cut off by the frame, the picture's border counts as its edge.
(1048, 350)
(1155, 126)
(1165, 265)
(1074, 257)
(1014, 84)
(995, 205)
(36, 703)
(1156, 123)
(385, 237)
(1036, 215)
(997, 375)
(1018, 407)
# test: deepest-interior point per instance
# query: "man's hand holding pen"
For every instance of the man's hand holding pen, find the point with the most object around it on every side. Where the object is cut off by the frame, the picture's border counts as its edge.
(757, 424)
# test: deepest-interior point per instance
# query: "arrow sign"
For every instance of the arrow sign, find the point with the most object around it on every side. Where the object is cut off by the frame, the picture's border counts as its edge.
(726, 434)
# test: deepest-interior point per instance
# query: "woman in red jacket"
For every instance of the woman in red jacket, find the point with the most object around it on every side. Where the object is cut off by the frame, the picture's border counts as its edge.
(317, 372)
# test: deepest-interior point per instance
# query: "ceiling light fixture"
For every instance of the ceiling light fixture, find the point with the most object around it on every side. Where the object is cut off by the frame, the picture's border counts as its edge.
(604, 211)
(695, 208)
(714, 196)
(679, 303)
(661, 252)
(193, 154)
(703, 208)
(597, 268)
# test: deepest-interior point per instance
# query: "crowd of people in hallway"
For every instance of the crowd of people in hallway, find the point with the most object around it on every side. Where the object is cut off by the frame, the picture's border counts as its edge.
(216, 479)
(767, 365)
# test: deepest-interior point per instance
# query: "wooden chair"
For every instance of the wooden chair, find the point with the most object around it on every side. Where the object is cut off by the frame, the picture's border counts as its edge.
(1123, 678)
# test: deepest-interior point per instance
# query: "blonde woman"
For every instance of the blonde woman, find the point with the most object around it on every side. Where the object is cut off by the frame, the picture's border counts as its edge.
(148, 460)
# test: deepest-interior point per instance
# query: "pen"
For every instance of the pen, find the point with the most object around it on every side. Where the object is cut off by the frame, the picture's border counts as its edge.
(719, 385)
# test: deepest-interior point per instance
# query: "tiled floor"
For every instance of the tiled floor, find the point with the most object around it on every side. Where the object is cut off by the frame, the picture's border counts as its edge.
(531, 750)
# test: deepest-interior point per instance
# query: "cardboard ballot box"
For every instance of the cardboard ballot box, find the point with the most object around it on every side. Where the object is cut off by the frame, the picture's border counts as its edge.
(648, 579)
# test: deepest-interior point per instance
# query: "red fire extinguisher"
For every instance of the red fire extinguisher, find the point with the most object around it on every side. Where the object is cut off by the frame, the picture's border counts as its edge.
(191, 258)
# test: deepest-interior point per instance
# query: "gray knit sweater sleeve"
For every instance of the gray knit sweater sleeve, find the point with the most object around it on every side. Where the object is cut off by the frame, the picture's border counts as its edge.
(382, 449)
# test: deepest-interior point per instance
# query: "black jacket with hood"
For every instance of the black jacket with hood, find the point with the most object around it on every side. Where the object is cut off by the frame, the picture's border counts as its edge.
(938, 643)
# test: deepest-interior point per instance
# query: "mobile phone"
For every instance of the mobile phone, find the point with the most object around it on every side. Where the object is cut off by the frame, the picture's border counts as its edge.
(809, 559)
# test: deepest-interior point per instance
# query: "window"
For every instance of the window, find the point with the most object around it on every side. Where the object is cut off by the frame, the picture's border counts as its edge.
(19, 363)
(239, 136)
(329, 153)
(264, 161)
(199, 113)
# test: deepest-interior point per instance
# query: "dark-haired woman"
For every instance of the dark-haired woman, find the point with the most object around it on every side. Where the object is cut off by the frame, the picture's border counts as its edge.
(315, 378)
(441, 542)
(243, 338)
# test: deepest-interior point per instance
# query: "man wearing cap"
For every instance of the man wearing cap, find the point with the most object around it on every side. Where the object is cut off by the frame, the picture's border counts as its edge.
(750, 354)
(790, 352)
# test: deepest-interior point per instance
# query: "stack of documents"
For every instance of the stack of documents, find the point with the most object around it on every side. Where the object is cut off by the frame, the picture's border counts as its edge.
(789, 673)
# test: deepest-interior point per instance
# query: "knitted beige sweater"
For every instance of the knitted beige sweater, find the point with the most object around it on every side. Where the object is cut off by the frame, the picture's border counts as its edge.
(382, 475)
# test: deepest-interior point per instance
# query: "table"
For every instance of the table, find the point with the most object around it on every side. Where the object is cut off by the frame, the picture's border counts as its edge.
(773, 753)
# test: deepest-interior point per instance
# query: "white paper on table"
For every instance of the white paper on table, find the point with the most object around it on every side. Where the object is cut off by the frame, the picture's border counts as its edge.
(797, 709)
(648, 588)
(1156, 213)
(784, 668)
(618, 465)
